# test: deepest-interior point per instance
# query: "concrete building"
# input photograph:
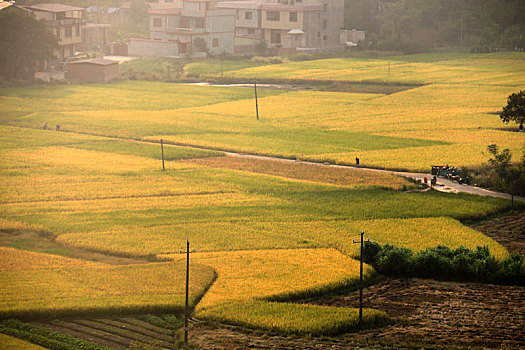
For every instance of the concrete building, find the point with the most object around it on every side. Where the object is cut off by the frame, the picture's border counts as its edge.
(66, 24)
(173, 31)
(352, 37)
(96, 70)
(287, 24)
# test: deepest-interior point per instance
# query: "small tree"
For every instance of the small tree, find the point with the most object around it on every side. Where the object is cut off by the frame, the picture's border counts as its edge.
(24, 42)
(200, 44)
(515, 109)
(510, 178)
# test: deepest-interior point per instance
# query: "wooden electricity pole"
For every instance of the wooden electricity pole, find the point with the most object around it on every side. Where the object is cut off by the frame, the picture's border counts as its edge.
(360, 278)
(256, 105)
(162, 152)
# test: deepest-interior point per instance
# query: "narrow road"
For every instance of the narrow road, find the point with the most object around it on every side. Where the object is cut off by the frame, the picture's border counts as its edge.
(443, 185)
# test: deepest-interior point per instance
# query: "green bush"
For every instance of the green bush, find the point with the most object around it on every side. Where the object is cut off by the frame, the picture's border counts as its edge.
(441, 262)
(394, 261)
(370, 251)
(432, 262)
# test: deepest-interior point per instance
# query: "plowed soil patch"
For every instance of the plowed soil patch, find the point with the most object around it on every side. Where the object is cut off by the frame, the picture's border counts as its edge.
(427, 313)
(509, 230)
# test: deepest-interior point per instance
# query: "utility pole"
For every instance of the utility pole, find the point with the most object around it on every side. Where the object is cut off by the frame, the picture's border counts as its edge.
(256, 105)
(186, 310)
(361, 278)
(187, 290)
(222, 71)
(162, 152)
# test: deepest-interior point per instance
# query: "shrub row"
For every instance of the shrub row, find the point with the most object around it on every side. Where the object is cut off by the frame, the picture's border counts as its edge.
(45, 337)
(267, 60)
(460, 264)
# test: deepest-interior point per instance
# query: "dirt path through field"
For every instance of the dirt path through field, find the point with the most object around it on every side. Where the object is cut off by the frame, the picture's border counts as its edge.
(443, 185)
(428, 314)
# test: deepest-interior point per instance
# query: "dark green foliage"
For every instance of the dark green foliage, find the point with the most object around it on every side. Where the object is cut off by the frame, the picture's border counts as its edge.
(24, 42)
(512, 269)
(432, 262)
(200, 45)
(393, 260)
(45, 337)
(460, 264)
(515, 109)
(419, 25)
(370, 251)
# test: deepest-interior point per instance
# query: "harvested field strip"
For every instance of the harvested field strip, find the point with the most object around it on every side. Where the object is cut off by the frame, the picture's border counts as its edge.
(123, 328)
(130, 334)
(304, 171)
(117, 333)
(96, 336)
(146, 326)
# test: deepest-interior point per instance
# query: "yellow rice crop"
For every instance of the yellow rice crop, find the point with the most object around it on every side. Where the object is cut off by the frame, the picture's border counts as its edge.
(45, 286)
(248, 274)
(16, 260)
(10, 343)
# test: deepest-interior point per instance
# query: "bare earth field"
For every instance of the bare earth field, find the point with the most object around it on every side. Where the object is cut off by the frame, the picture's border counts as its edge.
(429, 314)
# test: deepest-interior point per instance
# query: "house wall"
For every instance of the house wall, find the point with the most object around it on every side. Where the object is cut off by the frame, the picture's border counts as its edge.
(145, 47)
(284, 22)
(242, 21)
(92, 73)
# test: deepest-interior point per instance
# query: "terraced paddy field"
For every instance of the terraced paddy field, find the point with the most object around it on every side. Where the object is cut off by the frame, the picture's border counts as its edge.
(91, 225)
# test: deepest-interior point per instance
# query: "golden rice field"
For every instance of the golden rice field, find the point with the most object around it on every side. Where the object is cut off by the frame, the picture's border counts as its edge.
(296, 318)
(10, 343)
(266, 230)
(36, 284)
(476, 69)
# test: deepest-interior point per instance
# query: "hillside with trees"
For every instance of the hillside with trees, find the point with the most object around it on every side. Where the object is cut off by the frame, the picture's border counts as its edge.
(418, 25)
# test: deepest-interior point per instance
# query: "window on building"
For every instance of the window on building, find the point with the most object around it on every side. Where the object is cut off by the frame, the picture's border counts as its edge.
(77, 30)
(57, 33)
(247, 15)
(325, 23)
(251, 30)
(275, 37)
(69, 32)
(215, 42)
(273, 16)
(183, 48)
(325, 7)
(318, 34)
(168, 0)
(157, 22)
(325, 37)
(293, 16)
(199, 22)
(184, 23)
(298, 0)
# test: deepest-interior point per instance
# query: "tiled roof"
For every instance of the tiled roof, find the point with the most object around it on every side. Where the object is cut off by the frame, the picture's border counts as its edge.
(53, 7)
(97, 61)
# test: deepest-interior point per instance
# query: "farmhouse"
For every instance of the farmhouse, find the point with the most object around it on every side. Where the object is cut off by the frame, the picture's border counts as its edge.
(173, 31)
(96, 70)
(292, 25)
(65, 22)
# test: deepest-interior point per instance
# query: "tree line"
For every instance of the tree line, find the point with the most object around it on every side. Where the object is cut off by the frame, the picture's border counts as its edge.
(419, 25)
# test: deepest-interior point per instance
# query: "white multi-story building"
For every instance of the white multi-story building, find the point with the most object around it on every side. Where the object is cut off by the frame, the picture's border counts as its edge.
(173, 31)
(288, 24)
(66, 24)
